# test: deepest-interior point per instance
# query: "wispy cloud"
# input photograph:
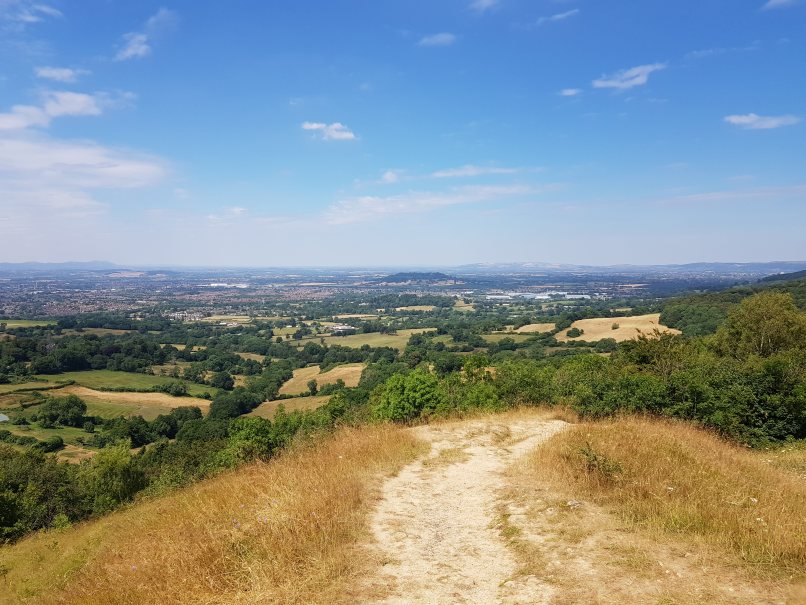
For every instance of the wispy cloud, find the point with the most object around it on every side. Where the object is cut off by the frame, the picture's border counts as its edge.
(373, 207)
(441, 39)
(330, 132)
(471, 171)
(25, 11)
(558, 17)
(752, 121)
(482, 6)
(737, 195)
(60, 74)
(628, 78)
(570, 92)
(722, 50)
(771, 4)
(139, 44)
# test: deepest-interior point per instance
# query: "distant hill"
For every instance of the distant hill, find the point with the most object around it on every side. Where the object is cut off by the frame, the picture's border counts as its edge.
(415, 277)
(92, 265)
(785, 276)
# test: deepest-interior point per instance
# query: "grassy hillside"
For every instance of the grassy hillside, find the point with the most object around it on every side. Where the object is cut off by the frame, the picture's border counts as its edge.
(276, 532)
(675, 480)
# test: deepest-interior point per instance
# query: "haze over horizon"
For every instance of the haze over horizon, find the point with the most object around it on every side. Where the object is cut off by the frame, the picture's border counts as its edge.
(402, 133)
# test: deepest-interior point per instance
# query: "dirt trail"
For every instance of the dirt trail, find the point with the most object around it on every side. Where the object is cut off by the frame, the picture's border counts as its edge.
(437, 525)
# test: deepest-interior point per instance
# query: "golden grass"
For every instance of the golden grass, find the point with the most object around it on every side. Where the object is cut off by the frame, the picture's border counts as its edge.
(286, 531)
(253, 356)
(532, 328)
(678, 481)
(416, 308)
(628, 328)
(350, 373)
(268, 409)
(790, 457)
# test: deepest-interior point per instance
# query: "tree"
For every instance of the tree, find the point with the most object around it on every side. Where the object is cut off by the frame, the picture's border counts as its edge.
(313, 387)
(763, 325)
(67, 411)
(222, 380)
(405, 397)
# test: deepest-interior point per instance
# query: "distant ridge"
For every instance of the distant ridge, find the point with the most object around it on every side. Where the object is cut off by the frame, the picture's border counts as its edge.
(415, 277)
(785, 276)
(91, 265)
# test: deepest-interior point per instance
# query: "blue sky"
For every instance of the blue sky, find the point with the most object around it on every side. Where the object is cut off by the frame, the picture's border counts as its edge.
(402, 132)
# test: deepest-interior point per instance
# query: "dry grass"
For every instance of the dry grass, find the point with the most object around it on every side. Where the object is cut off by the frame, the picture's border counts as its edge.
(675, 480)
(268, 409)
(253, 356)
(628, 328)
(282, 532)
(416, 308)
(147, 405)
(535, 328)
(790, 457)
(350, 373)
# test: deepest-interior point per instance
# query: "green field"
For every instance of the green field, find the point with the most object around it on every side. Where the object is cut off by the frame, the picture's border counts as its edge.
(25, 386)
(27, 323)
(109, 379)
(68, 433)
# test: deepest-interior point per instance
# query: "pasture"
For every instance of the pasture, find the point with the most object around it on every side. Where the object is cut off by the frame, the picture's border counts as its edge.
(27, 323)
(416, 308)
(111, 404)
(268, 409)
(350, 373)
(253, 356)
(109, 379)
(628, 328)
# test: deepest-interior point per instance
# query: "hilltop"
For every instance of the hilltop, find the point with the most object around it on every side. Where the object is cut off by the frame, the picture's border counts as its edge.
(519, 507)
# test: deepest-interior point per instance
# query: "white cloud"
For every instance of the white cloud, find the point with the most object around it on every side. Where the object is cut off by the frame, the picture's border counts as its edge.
(558, 17)
(628, 78)
(63, 103)
(442, 39)
(570, 92)
(778, 4)
(56, 104)
(471, 171)
(372, 207)
(60, 74)
(482, 6)
(139, 44)
(390, 176)
(39, 174)
(752, 121)
(135, 46)
(330, 132)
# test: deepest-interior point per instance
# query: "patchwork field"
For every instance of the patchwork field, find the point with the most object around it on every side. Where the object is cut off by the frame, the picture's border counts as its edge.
(355, 316)
(376, 339)
(416, 308)
(27, 323)
(109, 379)
(502, 335)
(461, 305)
(535, 328)
(267, 409)
(253, 356)
(350, 373)
(25, 386)
(628, 328)
(148, 405)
